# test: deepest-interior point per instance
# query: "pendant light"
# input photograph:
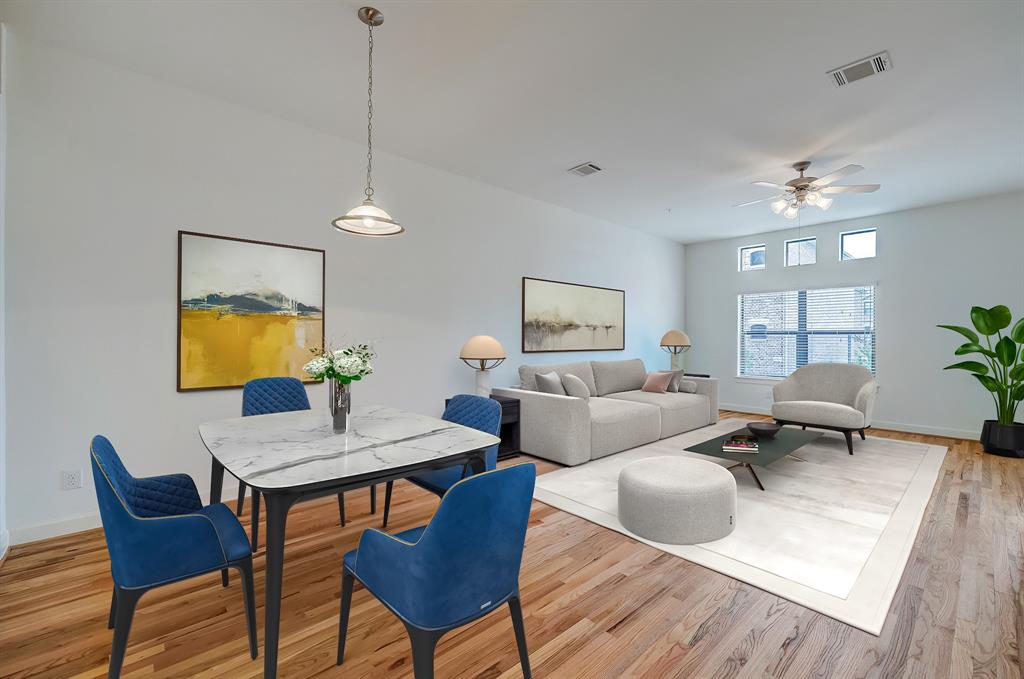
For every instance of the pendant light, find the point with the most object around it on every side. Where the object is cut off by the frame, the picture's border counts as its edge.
(366, 219)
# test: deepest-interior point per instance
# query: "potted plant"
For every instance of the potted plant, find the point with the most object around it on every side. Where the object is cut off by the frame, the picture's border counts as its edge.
(340, 368)
(1001, 372)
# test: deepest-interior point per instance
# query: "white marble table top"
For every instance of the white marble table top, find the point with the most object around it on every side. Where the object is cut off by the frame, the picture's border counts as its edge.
(285, 450)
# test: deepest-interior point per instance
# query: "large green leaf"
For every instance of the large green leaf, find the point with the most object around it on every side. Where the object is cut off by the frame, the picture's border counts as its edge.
(972, 366)
(982, 320)
(1006, 351)
(1000, 316)
(1017, 334)
(966, 332)
(989, 383)
(973, 348)
(1018, 392)
(1017, 373)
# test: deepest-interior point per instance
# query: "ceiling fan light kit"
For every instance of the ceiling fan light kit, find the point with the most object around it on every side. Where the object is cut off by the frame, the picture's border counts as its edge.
(809, 190)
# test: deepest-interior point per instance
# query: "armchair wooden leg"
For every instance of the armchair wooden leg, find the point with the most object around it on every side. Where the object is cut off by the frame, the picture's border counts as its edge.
(113, 609)
(849, 440)
(255, 528)
(241, 499)
(387, 501)
(862, 437)
(249, 594)
(341, 508)
(517, 624)
(126, 601)
(348, 581)
(423, 644)
(373, 499)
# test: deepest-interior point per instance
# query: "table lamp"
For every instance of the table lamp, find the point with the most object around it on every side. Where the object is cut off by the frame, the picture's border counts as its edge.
(675, 342)
(482, 353)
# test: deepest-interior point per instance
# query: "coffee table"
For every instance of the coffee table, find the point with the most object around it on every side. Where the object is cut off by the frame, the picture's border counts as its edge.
(784, 443)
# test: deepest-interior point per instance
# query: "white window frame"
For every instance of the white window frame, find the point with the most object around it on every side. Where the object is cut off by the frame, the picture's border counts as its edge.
(739, 257)
(870, 229)
(785, 251)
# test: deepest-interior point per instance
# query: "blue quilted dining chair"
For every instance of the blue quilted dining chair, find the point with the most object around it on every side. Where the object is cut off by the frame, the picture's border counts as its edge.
(461, 566)
(159, 532)
(478, 412)
(265, 396)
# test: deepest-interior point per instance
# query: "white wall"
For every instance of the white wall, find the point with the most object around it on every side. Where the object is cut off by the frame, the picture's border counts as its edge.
(105, 167)
(5, 537)
(933, 264)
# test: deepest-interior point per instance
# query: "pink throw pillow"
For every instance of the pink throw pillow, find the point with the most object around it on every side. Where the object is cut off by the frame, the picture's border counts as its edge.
(657, 383)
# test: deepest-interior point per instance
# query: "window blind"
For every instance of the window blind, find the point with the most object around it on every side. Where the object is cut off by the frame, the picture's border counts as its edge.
(782, 331)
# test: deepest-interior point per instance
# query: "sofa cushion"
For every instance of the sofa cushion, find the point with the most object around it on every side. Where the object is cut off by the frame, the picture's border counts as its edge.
(616, 425)
(818, 412)
(657, 383)
(575, 387)
(550, 383)
(582, 370)
(679, 412)
(686, 387)
(614, 376)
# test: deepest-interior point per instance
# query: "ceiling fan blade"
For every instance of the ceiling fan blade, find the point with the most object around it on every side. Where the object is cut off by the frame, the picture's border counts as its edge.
(833, 177)
(773, 185)
(859, 188)
(761, 200)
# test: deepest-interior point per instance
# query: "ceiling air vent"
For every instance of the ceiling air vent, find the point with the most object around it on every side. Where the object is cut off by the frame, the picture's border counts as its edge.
(859, 70)
(584, 170)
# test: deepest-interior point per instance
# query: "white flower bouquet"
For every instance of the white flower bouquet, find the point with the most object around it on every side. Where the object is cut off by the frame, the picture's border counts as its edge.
(347, 365)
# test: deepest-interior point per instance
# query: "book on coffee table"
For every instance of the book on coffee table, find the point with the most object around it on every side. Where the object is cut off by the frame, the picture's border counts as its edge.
(740, 443)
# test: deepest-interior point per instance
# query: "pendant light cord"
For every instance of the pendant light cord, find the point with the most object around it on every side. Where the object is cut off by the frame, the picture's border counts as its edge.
(369, 118)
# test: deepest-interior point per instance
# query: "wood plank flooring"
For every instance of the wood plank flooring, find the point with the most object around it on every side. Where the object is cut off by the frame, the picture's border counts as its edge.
(596, 603)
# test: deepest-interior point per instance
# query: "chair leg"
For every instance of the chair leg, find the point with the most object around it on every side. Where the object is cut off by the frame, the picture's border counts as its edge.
(348, 581)
(241, 499)
(862, 437)
(849, 440)
(423, 644)
(113, 609)
(224, 577)
(255, 528)
(126, 601)
(373, 499)
(387, 501)
(341, 508)
(517, 624)
(803, 427)
(249, 594)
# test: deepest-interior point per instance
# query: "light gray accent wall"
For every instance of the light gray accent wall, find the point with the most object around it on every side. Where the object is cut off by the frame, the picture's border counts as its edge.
(933, 264)
(108, 164)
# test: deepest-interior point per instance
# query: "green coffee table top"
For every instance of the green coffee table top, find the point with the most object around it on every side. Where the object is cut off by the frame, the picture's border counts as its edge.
(786, 442)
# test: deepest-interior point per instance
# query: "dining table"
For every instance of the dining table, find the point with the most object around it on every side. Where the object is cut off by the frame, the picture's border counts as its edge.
(295, 456)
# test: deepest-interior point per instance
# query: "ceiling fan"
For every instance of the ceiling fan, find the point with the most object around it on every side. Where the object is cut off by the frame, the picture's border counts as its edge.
(810, 190)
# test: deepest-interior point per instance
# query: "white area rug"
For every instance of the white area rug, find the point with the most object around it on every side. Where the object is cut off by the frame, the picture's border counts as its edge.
(832, 533)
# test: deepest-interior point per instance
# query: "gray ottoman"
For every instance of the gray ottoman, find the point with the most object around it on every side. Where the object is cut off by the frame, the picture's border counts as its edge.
(677, 500)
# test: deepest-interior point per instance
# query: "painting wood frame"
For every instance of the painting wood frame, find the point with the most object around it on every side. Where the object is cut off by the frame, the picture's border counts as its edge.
(622, 317)
(178, 301)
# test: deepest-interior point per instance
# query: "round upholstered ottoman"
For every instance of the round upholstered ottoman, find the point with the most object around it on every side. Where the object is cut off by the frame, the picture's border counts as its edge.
(677, 500)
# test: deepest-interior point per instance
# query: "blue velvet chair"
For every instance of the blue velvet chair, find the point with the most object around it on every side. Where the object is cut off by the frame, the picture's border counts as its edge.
(456, 569)
(265, 396)
(477, 412)
(159, 532)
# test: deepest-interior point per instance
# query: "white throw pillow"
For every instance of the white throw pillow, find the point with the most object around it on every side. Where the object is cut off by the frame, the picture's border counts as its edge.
(550, 383)
(576, 387)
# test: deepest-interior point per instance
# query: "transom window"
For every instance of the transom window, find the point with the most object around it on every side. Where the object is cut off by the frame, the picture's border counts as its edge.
(782, 331)
(752, 257)
(801, 251)
(857, 244)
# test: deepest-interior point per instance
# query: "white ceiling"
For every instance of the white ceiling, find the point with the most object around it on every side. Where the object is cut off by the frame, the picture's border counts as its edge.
(684, 104)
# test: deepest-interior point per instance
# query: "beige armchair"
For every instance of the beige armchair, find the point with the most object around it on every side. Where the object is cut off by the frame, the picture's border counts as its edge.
(836, 396)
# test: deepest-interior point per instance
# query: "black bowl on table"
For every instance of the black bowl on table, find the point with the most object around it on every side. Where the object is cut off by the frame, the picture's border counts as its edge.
(764, 430)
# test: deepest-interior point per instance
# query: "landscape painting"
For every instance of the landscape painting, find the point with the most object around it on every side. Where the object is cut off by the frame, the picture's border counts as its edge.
(571, 317)
(246, 309)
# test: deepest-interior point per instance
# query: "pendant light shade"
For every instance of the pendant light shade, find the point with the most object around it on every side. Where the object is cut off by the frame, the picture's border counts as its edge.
(366, 219)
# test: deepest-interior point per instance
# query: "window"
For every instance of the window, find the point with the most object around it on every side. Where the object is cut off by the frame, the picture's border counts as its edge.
(801, 251)
(752, 257)
(857, 244)
(782, 331)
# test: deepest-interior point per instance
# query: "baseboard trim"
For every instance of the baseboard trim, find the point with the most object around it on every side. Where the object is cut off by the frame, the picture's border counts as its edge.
(910, 428)
(5, 547)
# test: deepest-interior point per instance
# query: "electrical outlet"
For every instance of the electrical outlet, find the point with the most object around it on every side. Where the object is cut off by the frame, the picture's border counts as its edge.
(71, 480)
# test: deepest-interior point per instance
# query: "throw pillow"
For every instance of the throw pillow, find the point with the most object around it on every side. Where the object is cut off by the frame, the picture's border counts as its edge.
(687, 387)
(550, 383)
(677, 375)
(576, 387)
(657, 383)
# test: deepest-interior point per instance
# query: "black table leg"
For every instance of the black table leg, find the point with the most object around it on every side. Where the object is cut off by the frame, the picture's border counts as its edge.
(754, 474)
(478, 463)
(216, 481)
(277, 505)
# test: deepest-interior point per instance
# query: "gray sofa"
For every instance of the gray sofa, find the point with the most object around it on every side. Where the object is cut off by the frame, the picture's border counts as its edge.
(617, 416)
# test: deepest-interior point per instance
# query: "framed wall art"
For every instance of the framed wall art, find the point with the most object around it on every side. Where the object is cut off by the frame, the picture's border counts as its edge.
(561, 316)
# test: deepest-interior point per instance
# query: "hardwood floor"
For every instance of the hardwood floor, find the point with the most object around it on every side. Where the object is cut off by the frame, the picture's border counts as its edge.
(596, 603)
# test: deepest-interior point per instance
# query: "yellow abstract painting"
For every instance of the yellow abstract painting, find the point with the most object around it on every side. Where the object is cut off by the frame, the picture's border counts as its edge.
(246, 309)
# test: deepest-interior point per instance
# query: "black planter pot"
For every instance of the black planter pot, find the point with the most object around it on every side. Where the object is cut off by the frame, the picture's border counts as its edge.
(1003, 439)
